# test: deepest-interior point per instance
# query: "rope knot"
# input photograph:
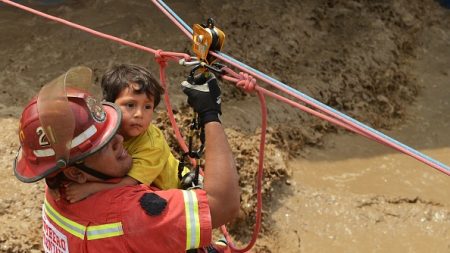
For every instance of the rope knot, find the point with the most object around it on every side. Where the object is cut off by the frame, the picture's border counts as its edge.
(160, 58)
(246, 82)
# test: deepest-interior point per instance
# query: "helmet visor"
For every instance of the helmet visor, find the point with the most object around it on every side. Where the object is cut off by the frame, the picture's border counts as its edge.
(56, 118)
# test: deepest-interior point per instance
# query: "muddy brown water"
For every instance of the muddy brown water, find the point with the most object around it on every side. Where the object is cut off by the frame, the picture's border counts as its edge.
(355, 195)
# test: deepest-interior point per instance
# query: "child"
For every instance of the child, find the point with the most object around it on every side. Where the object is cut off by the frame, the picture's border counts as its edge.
(137, 93)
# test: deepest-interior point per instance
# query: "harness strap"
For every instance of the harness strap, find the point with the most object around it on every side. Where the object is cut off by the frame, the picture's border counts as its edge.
(79, 230)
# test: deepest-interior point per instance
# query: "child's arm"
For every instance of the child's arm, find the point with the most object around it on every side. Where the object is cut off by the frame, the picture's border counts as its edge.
(76, 192)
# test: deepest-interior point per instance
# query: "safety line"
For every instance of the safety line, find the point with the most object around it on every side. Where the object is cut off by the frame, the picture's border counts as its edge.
(250, 86)
(162, 77)
(314, 103)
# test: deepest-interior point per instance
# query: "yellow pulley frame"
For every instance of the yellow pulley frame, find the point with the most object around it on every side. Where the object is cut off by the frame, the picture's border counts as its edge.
(207, 38)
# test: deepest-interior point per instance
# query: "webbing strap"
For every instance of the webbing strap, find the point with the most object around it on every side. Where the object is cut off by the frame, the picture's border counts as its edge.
(78, 230)
(192, 220)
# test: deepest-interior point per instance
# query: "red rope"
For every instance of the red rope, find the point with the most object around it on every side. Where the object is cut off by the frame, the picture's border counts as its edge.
(161, 58)
(248, 83)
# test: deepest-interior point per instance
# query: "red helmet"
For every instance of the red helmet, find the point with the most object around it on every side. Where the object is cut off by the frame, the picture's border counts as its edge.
(57, 134)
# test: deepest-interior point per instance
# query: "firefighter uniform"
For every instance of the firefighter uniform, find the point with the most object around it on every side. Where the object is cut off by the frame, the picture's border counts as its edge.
(128, 219)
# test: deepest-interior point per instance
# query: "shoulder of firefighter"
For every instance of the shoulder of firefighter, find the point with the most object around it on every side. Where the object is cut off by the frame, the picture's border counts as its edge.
(128, 219)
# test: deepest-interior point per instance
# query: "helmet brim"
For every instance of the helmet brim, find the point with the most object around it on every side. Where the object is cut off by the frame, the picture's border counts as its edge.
(28, 171)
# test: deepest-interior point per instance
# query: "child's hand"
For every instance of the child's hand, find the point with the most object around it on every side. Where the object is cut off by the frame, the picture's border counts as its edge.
(76, 192)
(54, 193)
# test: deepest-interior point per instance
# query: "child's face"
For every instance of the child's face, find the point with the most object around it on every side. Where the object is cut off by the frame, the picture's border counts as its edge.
(137, 112)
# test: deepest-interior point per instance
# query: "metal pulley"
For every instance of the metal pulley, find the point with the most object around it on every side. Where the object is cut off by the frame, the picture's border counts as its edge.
(207, 38)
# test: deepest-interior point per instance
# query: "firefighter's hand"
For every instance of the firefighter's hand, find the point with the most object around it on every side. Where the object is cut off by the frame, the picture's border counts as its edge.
(204, 97)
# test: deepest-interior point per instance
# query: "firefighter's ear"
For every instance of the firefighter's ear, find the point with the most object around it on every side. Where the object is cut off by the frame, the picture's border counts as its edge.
(75, 175)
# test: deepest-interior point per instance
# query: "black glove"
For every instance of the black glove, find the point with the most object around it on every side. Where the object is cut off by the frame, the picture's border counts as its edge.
(204, 97)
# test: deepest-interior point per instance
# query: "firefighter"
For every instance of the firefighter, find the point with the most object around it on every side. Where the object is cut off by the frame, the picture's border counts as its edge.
(124, 219)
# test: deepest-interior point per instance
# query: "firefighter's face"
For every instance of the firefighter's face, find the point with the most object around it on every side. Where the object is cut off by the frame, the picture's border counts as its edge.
(112, 160)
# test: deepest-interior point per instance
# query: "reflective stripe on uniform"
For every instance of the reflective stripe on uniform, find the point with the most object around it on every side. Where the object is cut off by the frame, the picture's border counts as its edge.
(72, 227)
(78, 230)
(192, 220)
(103, 231)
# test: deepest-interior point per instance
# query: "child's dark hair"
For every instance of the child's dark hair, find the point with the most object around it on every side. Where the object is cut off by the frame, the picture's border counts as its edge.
(120, 76)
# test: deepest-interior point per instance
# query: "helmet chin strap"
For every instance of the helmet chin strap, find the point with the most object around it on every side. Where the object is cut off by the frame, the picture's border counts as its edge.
(92, 172)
